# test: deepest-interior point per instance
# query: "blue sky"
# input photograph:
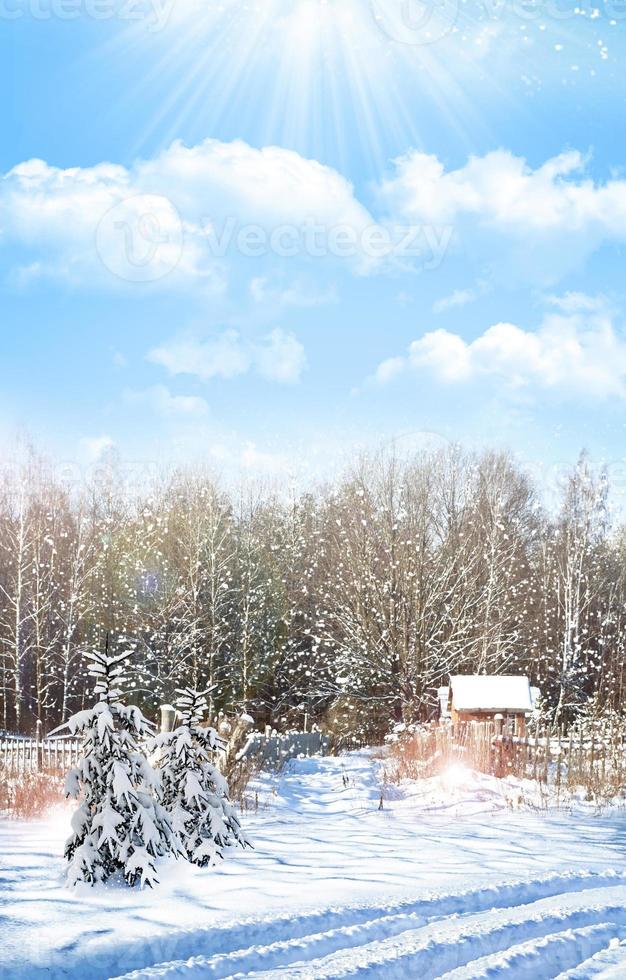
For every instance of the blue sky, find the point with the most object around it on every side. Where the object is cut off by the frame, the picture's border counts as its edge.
(264, 236)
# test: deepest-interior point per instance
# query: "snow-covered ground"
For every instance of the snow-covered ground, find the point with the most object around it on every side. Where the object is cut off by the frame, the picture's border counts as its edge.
(447, 880)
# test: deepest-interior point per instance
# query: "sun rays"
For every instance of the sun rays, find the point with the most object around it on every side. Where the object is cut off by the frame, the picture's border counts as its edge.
(324, 77)
(346, 80)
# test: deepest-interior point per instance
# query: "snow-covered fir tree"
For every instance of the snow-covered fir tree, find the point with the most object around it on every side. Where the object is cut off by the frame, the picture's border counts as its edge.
(195, 793)
(120, 826)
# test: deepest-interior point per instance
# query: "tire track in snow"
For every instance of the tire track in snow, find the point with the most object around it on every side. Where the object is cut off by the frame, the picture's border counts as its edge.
(530, 959)
(369, 925)
(420, 953)
(607, 962)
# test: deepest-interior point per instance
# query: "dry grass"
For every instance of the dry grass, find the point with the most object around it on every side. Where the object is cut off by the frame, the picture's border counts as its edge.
(411, 757)
(239, 775)
(429, 749)
(588, 762)
(30, 795)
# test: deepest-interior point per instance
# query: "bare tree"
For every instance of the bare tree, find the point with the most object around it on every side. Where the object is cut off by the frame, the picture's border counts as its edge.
(347, 606)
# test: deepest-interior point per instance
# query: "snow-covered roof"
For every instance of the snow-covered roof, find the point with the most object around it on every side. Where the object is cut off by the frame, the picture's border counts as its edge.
(479, 692)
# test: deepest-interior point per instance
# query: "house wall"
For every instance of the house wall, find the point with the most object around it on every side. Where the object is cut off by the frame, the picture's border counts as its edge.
(517, 721)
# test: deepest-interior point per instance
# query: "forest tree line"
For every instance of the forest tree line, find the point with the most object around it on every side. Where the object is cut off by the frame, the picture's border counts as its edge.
(349, 605)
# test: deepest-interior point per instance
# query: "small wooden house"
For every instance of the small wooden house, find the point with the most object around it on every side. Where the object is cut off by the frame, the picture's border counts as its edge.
(483, 697)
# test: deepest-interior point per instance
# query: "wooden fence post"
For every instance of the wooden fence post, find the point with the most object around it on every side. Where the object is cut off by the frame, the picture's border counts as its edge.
(498, 722)
(39, 745)
(168, 717)
(570, 756)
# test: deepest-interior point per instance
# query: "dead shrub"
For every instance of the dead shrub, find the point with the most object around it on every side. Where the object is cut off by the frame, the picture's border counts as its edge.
(239, 775)
(426, 750)
(412, 756)
(352, 724)
(30, 795)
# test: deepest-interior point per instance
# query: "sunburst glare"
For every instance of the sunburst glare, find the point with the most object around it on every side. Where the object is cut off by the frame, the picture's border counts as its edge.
(322, 76)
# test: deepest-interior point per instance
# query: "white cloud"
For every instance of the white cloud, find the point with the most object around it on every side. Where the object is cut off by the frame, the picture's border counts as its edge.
(119, 360)
(574, 302)
(269, 186)
(174, 218)
(461, 297)
(498, 187)
(298, 294)
(95, 447)
(221, 356)
(553, 215)
(278, 356)
(403, 298)
(258, 461)
(387, 370)
(160, 400)
(23, 275)
(573, 356)
(177, 219)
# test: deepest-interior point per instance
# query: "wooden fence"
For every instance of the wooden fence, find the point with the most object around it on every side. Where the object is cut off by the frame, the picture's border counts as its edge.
(593, 758)
(275, 749)
(19, 755)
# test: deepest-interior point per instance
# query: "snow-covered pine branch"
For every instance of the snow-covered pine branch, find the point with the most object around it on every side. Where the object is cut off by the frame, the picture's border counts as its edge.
(120, 826)
(195, 793)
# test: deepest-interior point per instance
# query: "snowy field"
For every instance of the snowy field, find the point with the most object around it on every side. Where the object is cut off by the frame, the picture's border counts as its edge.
(446, 881)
